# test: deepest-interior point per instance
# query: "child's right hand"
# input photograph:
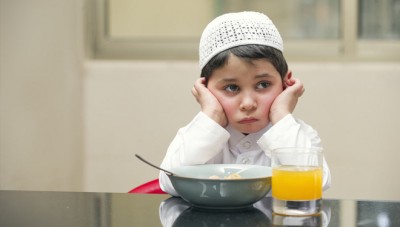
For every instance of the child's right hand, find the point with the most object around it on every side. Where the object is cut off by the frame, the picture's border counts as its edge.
(208, 102)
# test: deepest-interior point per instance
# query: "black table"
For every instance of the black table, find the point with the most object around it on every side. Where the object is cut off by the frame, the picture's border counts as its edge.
(45, 209)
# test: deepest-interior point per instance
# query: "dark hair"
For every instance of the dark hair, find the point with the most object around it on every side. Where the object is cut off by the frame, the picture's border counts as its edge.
(249, 53)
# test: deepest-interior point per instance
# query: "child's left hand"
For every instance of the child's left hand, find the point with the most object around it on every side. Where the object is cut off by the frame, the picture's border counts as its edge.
(285, 102)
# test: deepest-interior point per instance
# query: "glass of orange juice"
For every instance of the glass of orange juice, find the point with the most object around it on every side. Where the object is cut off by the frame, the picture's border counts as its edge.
(297, 180)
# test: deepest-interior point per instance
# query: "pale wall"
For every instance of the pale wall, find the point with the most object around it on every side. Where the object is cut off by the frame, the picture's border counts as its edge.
(69, 127)
(137, 107)
(41, 68)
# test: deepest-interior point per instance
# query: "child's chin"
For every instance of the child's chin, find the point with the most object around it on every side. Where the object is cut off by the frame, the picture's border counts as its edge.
(250, 130)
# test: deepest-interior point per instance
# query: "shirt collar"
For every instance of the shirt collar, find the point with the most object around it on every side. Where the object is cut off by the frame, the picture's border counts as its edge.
(237, 137)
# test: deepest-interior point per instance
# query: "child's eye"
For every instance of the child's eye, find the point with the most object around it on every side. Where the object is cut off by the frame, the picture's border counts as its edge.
(263, 85)
(231, 88)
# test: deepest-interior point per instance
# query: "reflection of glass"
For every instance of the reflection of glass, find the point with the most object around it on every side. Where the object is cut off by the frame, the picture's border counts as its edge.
(297, 181)
(312, 220)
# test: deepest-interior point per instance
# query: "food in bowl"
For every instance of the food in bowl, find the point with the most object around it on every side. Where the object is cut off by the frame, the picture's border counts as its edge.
(231, 176)
(229, 191)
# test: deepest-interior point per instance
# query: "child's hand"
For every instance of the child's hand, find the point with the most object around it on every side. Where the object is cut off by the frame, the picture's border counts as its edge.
(285, 102)
(208, 102)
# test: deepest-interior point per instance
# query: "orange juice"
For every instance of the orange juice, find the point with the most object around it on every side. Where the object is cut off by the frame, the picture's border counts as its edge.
(297, 183)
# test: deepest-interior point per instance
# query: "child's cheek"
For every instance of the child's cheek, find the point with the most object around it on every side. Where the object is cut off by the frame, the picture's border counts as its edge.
(229, 107)
(266, 103)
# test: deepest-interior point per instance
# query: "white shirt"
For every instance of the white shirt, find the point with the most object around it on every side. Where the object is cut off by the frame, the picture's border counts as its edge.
(203, 141)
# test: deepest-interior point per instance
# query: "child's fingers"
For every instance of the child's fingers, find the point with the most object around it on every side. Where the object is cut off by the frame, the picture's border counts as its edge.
(199, 89)
(194, 92)
(300, 87)
(296, 86)
(301, 91)
(293, 81)
(290, 82)
(200, 86)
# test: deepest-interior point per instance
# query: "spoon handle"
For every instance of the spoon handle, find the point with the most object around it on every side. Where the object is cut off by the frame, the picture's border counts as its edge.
(148, 163)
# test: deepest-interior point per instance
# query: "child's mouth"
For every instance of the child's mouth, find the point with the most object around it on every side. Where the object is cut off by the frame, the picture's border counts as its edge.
(248, 120)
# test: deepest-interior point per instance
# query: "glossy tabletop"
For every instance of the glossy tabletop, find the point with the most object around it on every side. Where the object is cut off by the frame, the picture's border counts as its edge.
(30, 208)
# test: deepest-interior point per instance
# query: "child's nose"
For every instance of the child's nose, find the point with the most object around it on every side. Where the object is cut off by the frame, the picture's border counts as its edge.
(248, 103)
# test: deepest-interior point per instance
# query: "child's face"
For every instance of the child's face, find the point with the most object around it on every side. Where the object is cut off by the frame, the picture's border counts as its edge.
(246, 91)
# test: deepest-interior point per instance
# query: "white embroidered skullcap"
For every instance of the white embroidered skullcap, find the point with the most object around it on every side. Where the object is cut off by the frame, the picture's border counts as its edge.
(236, 29)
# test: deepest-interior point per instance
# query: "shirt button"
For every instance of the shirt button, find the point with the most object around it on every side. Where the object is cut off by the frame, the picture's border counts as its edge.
(245, 161)
(246, 145)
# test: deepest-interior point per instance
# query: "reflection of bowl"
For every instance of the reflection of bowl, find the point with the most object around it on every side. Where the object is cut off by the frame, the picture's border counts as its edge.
(195, 186)
(250, 217)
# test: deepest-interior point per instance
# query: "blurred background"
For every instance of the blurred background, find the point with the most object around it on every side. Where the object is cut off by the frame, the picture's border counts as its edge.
(86, 84)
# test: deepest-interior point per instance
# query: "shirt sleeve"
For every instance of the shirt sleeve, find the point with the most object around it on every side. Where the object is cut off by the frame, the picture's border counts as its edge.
(291, 132)
(198, 142)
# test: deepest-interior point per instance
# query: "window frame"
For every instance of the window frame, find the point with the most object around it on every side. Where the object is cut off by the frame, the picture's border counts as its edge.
(347, 48)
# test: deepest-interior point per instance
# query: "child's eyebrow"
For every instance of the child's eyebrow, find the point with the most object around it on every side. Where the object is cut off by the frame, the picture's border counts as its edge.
(263, 75)
(227, 80)
(233, 80)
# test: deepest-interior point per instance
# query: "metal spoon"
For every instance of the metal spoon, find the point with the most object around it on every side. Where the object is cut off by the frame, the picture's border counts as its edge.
(159, 168)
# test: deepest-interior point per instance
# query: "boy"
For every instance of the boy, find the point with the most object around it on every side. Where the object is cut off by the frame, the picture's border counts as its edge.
(246, 94)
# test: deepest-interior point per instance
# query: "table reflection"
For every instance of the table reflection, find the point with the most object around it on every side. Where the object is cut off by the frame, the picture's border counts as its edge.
(82, 209)
(175, 212)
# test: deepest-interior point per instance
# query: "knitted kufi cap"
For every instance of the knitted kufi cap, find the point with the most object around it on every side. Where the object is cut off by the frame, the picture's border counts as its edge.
(236, 29)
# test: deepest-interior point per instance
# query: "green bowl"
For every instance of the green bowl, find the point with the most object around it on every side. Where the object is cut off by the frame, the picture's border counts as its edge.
(194, 185)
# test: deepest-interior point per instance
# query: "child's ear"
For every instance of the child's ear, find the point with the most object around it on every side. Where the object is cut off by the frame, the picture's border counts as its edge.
(287, 79)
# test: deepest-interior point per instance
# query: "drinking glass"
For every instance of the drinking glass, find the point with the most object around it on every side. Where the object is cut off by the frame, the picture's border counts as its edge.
(297, 180)
(288, 221)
